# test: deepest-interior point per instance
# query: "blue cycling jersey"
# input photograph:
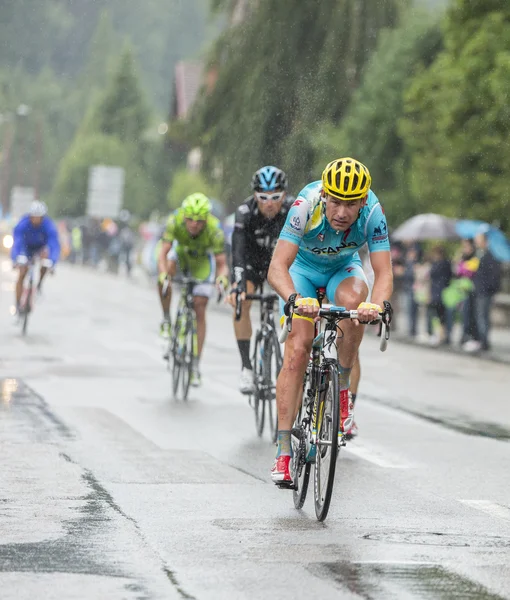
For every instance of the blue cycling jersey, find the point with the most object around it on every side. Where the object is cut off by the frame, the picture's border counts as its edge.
(28, 240)
(322, 248)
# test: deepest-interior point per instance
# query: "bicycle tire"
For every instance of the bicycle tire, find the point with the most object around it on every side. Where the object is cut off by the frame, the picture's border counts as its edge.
(259, 405)
(300, 468)
(176, 355)
(272, 352)
(327, 431)
(187, 355)
(25, 322)
(27, 305)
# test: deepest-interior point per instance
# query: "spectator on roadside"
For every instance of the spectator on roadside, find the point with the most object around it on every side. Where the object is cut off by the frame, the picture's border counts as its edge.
(412, 257)
(76, 245)
(127, 240)
(398, 263)
(440, 276)
(487, 280)
(421, 288)
(464, 271)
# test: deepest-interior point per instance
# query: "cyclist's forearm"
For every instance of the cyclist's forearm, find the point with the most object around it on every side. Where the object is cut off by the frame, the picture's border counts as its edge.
(280, 280)
(221, 265)
(238, 252)
(162, 260)
(383, 289)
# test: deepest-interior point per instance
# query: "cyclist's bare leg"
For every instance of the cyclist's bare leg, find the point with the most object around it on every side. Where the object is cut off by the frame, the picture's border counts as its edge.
(242, 328)
(200, 305)
(289, 386)
(166, 300)
(355, 376)
(23, 270)
(350, 293)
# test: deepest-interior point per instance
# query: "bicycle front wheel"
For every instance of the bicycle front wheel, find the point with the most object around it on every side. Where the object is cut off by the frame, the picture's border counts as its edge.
(26, 304)
(187, 355)
(177, 353)
(259, 405)
(272, 367)
(328, 421)
(300, 467)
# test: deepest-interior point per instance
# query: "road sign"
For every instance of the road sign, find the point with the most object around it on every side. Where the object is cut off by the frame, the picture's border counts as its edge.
(105, 191)
(21, 199)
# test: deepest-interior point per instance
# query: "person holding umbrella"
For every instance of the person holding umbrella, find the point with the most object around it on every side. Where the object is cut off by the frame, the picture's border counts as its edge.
(487, 280)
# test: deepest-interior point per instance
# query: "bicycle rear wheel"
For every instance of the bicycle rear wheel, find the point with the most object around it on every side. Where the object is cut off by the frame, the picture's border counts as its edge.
(187, 355)
(272, 366)
(259, 405)
(328, 421)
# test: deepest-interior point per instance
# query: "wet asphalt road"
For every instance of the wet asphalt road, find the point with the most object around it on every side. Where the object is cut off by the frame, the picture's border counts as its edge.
(111, 489)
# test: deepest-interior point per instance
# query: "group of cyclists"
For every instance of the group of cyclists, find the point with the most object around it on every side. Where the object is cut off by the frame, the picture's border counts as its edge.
(296, 245)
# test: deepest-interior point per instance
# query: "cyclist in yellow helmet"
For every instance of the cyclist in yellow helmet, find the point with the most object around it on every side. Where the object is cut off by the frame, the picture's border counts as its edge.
(328, 223)
(193, 241)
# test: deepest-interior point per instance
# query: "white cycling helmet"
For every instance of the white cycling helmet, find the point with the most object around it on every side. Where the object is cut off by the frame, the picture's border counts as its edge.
(38, 209)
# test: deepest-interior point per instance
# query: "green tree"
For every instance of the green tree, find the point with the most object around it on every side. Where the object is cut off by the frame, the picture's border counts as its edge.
(103, 50)
(69, 198)
(369, 130)
(457, 121)
(276, 83)
(122, 110)
(185, 182)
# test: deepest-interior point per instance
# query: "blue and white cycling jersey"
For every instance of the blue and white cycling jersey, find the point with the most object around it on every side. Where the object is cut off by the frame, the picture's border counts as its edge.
(322, 248)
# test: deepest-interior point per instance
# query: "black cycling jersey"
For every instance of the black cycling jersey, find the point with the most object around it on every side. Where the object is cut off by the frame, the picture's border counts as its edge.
(253, 241)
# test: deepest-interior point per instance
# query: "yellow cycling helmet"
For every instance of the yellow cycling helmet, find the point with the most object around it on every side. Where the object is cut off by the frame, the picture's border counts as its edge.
(346, 179)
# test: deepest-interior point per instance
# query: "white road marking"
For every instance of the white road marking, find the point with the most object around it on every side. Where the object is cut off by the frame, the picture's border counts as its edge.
(381, 459)
(491, 508)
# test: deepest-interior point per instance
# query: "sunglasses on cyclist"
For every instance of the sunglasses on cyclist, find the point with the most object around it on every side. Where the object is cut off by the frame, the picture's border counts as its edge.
(275, 197)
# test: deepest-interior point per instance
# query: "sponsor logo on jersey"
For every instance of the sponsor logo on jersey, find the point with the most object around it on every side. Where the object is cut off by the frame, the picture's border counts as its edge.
(333, 249)
(295, 223)
(243, 209)
(380, 232)
(297, 201)
(320, 237)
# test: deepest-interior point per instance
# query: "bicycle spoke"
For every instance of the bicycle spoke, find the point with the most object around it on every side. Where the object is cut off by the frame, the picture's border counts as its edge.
(259, 404)
(327, 442)
(187, 356)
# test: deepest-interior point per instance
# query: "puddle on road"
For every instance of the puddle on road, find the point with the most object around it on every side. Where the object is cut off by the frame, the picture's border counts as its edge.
(24, 406)
(402, 581)
(270, 525)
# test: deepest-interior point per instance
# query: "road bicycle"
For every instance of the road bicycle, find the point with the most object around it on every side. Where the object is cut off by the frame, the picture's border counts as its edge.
(266, 361)
(324, 416)
(27, 300)
(183, 343)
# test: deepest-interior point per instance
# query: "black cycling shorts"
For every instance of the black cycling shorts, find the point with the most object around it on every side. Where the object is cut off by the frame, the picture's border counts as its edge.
(256, 275)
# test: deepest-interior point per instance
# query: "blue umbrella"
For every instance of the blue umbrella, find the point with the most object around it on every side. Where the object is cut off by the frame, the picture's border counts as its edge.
(498, 244)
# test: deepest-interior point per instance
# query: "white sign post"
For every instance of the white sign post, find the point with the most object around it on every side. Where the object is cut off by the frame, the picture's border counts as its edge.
(21, 199)
(105, 191)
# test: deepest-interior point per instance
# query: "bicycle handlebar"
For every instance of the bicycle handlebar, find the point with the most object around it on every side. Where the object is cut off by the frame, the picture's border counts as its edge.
(334, 313)
(261, 297)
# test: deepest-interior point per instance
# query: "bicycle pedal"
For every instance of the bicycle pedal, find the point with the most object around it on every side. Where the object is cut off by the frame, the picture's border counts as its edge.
(286, 485)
